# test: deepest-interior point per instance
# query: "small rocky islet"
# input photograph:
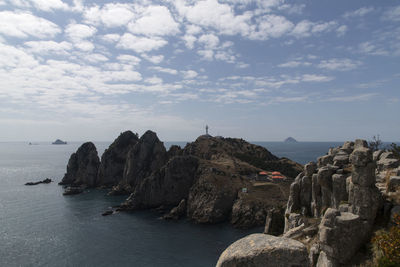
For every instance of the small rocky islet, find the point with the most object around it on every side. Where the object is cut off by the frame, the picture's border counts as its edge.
(211, 180)
(323, 217)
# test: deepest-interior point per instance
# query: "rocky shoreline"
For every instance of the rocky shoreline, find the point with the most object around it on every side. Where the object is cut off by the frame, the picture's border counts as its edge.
(210, 180)
(333, 208)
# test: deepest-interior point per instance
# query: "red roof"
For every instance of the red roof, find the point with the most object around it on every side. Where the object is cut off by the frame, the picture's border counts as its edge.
(263, 173)
(276, 173)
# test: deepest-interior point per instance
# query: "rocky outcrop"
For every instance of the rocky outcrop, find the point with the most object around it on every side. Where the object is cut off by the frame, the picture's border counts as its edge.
(45, 181)
(166, 186)
(147, 156)
(177, 212)
(274, 222)
(259, 250)
(83, 166)
(113, 160)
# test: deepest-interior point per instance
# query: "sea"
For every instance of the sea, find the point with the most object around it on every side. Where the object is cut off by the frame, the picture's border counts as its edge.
(41, 227)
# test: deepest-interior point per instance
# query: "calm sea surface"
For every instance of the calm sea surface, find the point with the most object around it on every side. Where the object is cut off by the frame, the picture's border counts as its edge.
(41, 227)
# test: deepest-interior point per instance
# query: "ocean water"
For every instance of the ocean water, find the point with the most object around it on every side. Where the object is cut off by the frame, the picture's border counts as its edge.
(41, 227)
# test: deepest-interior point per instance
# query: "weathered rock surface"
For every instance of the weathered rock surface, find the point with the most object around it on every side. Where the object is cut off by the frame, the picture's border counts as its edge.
(264, 250)
(113, 160)
(393, 184)
(177, 212)
(167, 185)
(275, 222)
(82, 166)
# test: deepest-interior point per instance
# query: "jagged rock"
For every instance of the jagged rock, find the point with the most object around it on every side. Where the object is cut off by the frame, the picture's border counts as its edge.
(364, 176)
(82, 166)
(113, 160)
(314, 254)
(295, 232)
(310, 168)
(339, 192)
(347, 147)
(166, 186)
(174, 150)
(361, 156)
(377, 154)
(293, 204)
(341, 234)
(325, 160)
(274, 222)
(326, 261)
(360, 143)
(341, 159)
(73, 190)
(305, 195)
(393, 184)
(292, 220)
(147, 156)
(264, 250)
(387, 163)
(316, 196)
(324, 179)
(177, 212)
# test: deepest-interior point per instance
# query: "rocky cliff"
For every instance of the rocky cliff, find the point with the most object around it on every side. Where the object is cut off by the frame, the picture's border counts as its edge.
(113, 160)
(82, 166)
(207, 175)
(333, 207)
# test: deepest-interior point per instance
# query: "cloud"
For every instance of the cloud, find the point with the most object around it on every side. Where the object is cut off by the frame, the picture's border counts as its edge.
(22, 25)
(393, 14)
(156, 59)
(154, 21)
(358, 13)
(111, 38)
(210, 41)
(353, 98)
(49, 5)
(271, 26)
(77, 32)
(341, 31)
(164, 70)
(371, 49)
(140, 44)
(339, 64)
(154, 80)
(294, 64)
(47, 47)
(129, 59)
(316, 78)
(189, 74)
(189, 40)
(110, 15)
(95, 58)
(306, 28)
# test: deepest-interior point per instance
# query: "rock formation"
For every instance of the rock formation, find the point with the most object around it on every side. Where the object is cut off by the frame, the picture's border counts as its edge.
(264, 250)
(45, 181)
(82, 166)
(113, 160)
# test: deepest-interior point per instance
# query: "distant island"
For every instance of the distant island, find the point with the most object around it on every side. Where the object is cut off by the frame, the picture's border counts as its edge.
(59, 142)
(290, 140)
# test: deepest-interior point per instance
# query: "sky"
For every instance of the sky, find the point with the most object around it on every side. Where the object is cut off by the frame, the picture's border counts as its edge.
(262, 70)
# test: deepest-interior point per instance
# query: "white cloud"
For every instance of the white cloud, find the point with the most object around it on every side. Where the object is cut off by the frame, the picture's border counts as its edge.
(371, 49)
(189, 40)
(353, 98)
(193, 29)
(44, 47)
(84, 45)
(210, 41)
(22, 25)
(11, 57)
(111, 38)
(140, 44)
(359, 12)
(294, 64)
(341, 31)
(306, 28)
(339, 64)
(206, 54)
(129, 59)
(189, 74)
(156, 59)
(392, 14)
(271, 26)
(77, 32)
(292, 9)
(155, 20)
(316, 78)
(164, 70)
(49, 5)
(96, 58)
(110, 15)
(154, 80)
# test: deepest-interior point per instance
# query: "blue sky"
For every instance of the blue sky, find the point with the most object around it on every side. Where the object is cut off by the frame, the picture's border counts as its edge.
(257, 69)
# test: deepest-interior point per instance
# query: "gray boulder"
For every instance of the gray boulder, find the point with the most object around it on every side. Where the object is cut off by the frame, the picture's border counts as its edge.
(264, 250)
(339, 192)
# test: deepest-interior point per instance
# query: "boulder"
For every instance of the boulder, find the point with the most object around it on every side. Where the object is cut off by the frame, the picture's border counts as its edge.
(361, 156)
(113, 160)
(325, 160)
(387, 163)
(292, 220)
(347, 147)
(341, 159)
(365, 202)
(83, 166)
(360, 143)
(316, 195)
(264, 250)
